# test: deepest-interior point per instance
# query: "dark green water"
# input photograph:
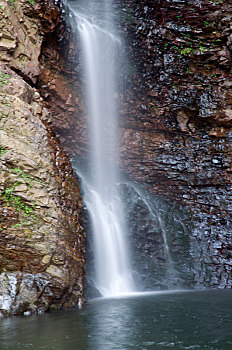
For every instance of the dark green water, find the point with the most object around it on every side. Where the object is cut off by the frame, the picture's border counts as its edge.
(190, 320)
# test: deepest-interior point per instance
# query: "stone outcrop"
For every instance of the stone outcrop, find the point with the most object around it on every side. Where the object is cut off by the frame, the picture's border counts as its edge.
(41, 233)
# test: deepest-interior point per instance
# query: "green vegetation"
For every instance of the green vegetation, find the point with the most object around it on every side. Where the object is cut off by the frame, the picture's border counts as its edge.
(16, 202)
(4, 78)
(2, 150)
(13, 2)
(188, 70)
(6, 102)
(186, 50)
(2, 115)
(28, 178)
(202, 49)
(21, 174)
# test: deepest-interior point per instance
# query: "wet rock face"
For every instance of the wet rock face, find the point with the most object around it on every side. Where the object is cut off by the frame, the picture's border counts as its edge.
(159, 236)
(41, 233)
(175, 116)
(61, 85)
(176, 128)
(186, 100)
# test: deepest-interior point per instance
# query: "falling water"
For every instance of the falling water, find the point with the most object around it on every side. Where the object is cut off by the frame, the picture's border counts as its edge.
(100, 50)
(155, 214)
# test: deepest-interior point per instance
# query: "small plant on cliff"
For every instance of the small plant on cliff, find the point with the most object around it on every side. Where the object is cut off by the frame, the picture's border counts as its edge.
(4, 78)
(187, 50)
(2, 151)
(202, 49)
(28, 178)
(16, 202)
(24, 176)
(2, 116)
(188, 70)
(6, 102)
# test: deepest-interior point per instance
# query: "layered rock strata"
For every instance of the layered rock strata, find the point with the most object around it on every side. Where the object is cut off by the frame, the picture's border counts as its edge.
(41, 233)
(175, 117)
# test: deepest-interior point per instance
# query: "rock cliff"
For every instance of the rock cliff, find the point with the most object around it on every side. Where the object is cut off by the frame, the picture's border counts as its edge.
(175, 118)
(41, 233)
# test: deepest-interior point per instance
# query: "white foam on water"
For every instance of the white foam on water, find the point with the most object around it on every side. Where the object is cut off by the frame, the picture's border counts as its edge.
(144, 294)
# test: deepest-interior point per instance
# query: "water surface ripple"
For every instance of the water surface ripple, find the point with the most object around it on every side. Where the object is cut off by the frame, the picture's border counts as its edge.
(182, 320)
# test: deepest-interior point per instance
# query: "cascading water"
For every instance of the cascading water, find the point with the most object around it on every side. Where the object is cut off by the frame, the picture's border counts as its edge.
(100, 49)
(154, 214)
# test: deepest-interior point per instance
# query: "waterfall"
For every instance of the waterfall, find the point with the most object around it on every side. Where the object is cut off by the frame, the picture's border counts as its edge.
(100, 48)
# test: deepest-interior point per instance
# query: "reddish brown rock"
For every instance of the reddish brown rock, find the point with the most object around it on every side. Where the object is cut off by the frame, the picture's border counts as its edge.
(41, 233)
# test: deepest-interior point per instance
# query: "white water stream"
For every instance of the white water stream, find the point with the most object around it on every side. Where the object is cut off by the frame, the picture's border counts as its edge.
(100, 48)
